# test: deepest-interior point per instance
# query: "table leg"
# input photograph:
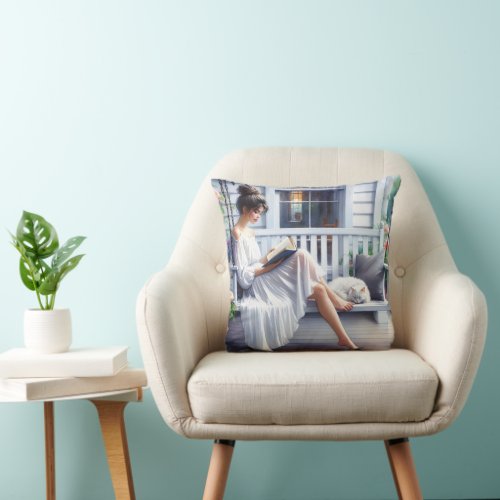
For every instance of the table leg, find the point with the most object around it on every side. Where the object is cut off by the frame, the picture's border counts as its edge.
(50, 470)
(115, 440)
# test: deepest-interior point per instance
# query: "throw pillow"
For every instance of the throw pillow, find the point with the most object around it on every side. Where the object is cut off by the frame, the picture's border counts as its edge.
(371, 269)
(323, 233)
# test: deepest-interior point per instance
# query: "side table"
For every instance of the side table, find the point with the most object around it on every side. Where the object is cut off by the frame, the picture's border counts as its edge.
(110, 409)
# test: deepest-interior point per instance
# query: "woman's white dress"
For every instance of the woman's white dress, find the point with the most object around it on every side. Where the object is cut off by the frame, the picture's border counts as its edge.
(272, 302)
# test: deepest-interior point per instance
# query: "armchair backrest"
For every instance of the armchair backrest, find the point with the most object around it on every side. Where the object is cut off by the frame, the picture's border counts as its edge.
(415, 231)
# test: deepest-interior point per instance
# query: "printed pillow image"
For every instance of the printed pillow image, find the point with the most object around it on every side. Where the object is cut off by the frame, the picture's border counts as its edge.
(308, 265)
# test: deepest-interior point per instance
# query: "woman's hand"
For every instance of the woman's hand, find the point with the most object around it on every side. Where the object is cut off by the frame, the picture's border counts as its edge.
(268, 268)
(265, 259)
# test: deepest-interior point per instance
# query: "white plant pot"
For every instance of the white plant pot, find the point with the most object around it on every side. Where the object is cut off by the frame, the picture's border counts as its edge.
(47, 331)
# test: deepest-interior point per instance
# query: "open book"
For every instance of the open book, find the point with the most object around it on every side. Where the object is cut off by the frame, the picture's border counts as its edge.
(284, 249)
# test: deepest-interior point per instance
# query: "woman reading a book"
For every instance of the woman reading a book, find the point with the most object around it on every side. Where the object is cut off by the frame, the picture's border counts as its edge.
(275, 295)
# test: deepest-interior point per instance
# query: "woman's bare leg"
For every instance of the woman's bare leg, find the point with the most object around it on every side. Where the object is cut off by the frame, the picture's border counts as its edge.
(328, 311)
(339, 303)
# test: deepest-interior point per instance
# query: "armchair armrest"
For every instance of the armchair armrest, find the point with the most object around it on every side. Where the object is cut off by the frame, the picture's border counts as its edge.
(172, 331)
(445, 322)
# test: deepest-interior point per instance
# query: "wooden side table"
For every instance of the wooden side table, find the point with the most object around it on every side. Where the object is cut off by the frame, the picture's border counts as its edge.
(110, 409)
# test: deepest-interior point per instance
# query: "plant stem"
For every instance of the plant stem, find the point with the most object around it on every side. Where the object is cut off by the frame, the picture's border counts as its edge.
(38, 296)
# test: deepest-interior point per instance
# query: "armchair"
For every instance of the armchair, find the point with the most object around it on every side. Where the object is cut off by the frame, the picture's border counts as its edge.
(416, 388)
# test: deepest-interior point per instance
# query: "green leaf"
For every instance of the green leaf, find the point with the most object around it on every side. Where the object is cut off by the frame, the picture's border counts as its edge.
(30, 267)
(66, 250)
(26, 275)
(13, 236)
(394, 189)
(69, 265)
(51, 282)
(25, 267)
(37, 235)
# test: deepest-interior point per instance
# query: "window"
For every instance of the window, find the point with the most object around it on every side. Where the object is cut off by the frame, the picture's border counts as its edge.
(295, 211)
(311, 208)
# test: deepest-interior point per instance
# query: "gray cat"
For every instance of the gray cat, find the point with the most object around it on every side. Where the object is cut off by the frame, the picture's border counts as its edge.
(352, 289)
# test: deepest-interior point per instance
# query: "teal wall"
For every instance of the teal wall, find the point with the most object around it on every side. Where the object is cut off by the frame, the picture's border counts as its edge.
(112, 113)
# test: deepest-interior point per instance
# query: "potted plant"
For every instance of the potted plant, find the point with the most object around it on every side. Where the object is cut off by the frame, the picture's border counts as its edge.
(46, 329)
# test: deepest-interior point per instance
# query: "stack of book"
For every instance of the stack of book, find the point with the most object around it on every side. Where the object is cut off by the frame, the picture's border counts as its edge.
(27, 375)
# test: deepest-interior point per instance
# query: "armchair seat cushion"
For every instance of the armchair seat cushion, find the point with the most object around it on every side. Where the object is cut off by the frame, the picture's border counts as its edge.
(312, 387)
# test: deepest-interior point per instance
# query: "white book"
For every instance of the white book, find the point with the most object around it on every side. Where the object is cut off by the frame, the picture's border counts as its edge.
(77, 362)
(27, 389)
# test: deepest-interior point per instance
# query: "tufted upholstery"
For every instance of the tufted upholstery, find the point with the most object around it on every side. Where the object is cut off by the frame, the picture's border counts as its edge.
(439, 314)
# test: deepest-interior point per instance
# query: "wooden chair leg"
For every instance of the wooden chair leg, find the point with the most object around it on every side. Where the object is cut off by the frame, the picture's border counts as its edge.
(50, 469)
(403, 469)
(218, 469)
(115, 441)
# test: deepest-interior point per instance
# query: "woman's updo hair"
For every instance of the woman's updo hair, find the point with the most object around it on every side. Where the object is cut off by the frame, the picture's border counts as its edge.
(250, 197)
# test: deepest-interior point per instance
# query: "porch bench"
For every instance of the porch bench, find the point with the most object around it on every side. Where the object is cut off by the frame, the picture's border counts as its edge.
(380, 308)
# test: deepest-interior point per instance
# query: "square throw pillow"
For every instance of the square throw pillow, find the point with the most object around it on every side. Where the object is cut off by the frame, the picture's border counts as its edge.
(371, 269)
(308, 265)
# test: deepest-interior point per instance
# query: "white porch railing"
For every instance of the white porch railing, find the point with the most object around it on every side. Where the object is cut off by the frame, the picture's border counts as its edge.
(334, 249)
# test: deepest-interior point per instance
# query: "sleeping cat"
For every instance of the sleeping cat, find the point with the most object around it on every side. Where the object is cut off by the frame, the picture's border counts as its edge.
(351, 289)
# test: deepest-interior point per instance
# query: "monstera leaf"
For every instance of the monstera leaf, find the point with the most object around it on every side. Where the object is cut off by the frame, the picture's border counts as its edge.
(38, 237)
(50, 284)
(30, 279)
(29, 268)
(66, 250)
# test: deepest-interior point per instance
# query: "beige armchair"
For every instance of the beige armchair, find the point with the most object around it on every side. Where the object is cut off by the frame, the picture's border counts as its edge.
(416, 388)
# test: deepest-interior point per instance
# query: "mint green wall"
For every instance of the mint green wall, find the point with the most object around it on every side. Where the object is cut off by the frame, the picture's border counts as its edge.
(111, 114)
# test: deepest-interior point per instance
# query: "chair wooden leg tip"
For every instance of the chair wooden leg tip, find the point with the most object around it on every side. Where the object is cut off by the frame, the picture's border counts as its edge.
(228, 442)
(393, 441)
(218, 469)
(403, 468)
